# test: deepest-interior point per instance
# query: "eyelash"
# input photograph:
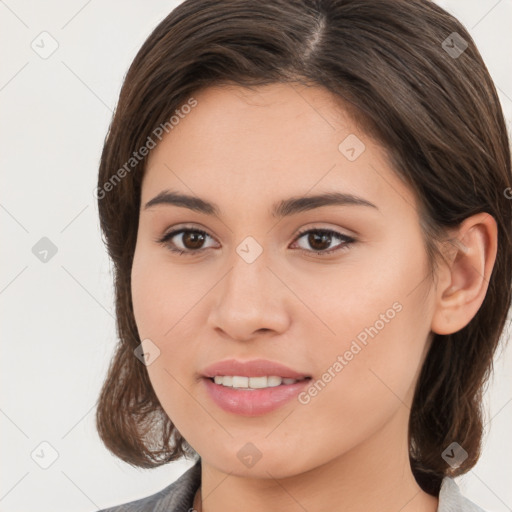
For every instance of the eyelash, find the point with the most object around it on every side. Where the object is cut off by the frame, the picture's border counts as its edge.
(347, 240)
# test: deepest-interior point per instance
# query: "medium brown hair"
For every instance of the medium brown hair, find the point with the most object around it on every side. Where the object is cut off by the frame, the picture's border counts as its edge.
(428, 99)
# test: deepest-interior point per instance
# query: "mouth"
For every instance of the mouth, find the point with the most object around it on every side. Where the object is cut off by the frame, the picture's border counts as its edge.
(246, 383)
(252, 388)
(242, 400)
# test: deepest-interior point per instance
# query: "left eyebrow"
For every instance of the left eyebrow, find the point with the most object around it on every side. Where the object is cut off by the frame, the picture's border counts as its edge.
(281, 209)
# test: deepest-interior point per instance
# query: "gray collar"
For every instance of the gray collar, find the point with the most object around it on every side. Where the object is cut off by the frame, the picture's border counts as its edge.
(451, 499)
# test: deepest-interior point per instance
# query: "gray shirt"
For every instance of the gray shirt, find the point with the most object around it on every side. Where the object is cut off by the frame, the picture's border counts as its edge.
(179, 496)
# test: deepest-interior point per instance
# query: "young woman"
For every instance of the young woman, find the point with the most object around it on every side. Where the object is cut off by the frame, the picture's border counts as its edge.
(306, 206)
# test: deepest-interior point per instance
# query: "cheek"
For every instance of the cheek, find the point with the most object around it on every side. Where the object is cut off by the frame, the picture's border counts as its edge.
(161, 298)
(366, 375)
(163, 304)
(367, 366)
(378, 314)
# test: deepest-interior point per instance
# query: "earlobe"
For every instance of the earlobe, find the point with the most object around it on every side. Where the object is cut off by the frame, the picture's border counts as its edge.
(464, 280)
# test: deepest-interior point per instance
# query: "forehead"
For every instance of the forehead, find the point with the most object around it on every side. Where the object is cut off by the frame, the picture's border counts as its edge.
(263, 144)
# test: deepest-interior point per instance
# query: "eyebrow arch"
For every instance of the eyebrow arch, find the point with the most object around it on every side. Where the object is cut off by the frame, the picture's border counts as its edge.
(280, 209)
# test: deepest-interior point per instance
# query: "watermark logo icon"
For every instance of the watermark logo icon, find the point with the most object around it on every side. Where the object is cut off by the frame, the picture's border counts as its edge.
(454, 45)
(454, 455)
(147, 352)
(249, 455)
(249, 249)
(352, 147)
(45, 45)
(44, 250)
(44, 455)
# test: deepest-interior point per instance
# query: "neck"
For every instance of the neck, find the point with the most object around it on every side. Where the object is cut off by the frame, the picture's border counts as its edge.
(373, 476)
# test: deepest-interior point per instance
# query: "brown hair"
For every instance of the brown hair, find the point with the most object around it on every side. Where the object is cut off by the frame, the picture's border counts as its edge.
(417, 88)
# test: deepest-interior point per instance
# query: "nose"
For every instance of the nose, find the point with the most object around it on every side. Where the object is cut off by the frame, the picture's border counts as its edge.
(250, 300)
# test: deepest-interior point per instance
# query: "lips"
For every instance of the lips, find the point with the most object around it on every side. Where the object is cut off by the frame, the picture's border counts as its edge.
(252, 368)
(252, 402)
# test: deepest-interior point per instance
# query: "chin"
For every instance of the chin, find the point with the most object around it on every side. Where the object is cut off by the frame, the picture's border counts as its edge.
(249, 462)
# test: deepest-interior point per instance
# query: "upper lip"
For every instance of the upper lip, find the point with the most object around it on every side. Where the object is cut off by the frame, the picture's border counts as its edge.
(252, 368)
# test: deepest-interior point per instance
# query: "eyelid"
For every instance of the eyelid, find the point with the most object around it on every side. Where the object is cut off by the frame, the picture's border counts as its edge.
(335, 229)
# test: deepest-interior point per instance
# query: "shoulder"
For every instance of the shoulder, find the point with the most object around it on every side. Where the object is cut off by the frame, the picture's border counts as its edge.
(451, 499)
(177, 497)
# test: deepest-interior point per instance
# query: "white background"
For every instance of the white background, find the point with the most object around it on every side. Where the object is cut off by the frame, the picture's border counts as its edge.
(57, 317)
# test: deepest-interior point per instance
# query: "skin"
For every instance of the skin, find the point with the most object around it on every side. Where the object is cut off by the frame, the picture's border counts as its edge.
(346, 449)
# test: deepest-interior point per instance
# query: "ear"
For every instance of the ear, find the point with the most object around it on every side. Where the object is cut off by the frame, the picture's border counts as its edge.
(464, 279)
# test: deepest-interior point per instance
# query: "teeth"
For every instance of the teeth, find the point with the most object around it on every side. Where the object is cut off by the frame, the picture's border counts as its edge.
(240, 382)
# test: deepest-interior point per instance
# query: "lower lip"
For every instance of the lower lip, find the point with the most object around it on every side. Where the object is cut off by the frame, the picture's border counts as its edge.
(253, 402)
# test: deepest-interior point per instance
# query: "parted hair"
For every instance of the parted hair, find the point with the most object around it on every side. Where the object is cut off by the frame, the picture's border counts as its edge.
(411, 74)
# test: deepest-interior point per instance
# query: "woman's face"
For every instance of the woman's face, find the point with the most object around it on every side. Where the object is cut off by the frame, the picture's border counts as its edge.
(348, 306)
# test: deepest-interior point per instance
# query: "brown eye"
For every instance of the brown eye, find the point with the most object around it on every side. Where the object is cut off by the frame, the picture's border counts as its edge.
(185, 240)
(320, 240)
(192, 239)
